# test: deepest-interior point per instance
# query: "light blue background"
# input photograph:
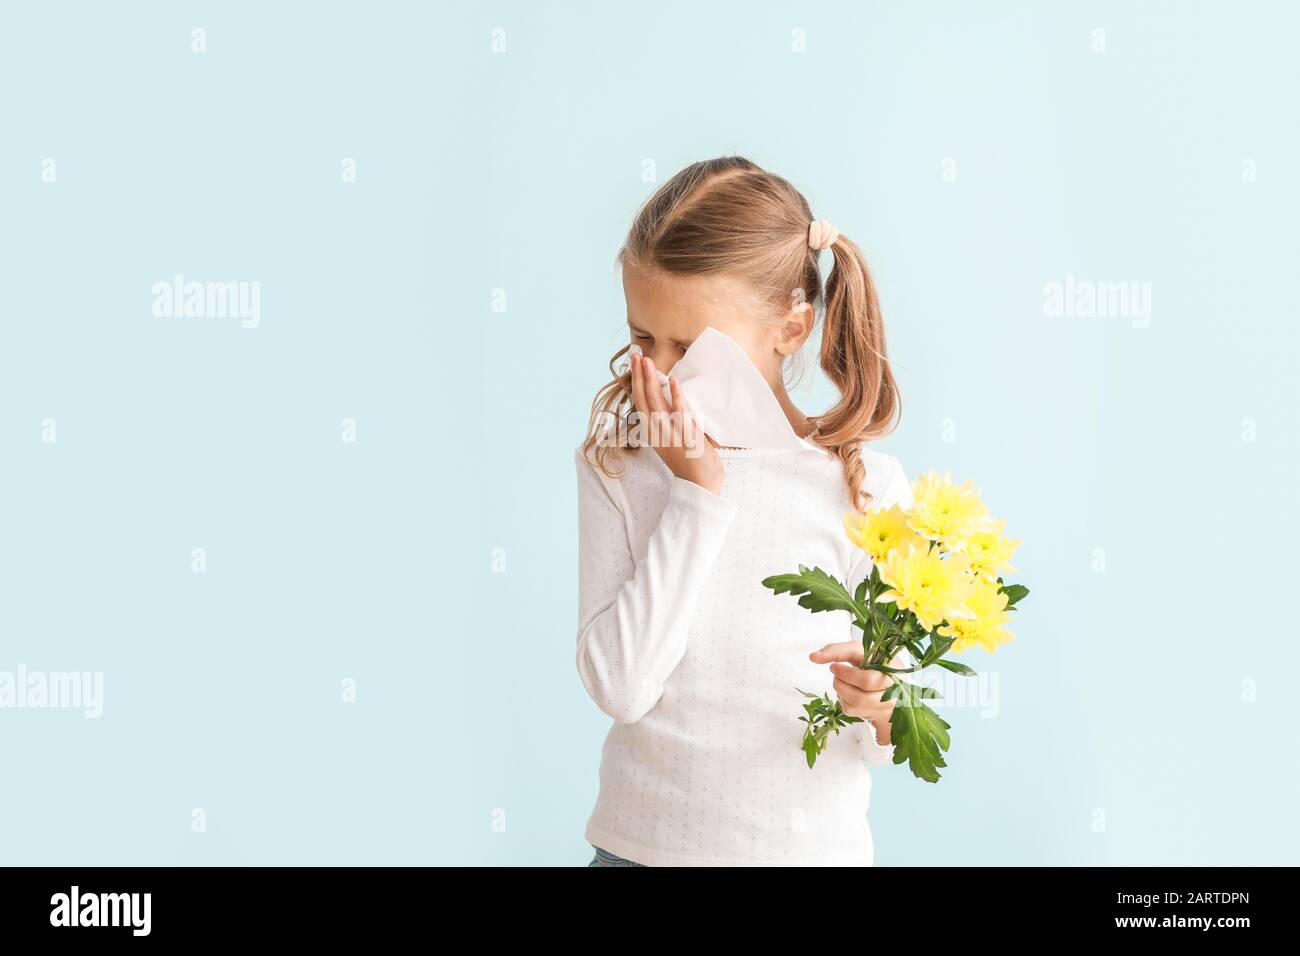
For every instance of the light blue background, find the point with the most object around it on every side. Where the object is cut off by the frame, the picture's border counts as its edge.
(472, 740)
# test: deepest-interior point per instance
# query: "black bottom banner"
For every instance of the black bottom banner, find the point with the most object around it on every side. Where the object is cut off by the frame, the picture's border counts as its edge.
(376, 905)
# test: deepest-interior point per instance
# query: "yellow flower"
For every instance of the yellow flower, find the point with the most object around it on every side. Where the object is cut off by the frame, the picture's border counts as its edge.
(882, 531)
(984, 626)
(946, 512)
(927, 584)
(990, 551)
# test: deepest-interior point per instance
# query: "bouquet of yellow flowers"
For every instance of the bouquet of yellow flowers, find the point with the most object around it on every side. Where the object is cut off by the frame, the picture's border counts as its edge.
(935, 588)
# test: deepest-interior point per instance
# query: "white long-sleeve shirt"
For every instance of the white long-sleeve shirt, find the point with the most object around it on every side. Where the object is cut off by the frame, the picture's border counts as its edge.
(697, 662)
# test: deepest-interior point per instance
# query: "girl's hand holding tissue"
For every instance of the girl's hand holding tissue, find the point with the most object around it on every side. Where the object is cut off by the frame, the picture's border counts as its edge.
(667, 425)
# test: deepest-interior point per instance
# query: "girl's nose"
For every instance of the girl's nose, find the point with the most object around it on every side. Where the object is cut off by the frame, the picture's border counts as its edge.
(664, 358)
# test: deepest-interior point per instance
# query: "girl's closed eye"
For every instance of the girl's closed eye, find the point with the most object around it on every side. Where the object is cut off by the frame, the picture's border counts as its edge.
(645, 339)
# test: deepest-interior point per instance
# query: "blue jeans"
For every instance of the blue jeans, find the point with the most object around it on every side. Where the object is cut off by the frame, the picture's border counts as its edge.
(605, 858)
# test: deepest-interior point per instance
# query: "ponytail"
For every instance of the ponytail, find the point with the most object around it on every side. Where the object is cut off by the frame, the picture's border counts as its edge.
(853, 356)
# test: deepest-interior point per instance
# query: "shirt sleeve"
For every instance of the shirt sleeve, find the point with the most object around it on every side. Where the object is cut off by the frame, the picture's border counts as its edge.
(898, 491)
(634, 617)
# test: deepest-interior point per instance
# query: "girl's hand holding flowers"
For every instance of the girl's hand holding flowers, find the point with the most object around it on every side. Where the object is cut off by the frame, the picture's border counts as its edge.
(935, 586)
(859, 691)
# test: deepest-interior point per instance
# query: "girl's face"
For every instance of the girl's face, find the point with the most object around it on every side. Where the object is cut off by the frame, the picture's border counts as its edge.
(666, 313)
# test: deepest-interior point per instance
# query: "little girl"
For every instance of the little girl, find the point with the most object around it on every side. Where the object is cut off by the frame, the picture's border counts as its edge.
(678, 641)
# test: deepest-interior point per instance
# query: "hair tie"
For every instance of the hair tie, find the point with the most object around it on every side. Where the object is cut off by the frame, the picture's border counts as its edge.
(821, 234)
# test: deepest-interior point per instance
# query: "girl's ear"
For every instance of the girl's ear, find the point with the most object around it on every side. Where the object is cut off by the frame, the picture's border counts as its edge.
(796, 325)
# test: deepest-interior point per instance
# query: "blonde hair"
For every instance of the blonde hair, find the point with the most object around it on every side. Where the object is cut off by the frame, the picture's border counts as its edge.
(730, 217)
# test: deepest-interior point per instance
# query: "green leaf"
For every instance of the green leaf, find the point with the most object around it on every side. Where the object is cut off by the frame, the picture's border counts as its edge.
(809, 747)
(919, 735)
(825, 717)
(884, 612)
(820, 591)
(956, 667)
(939, 645)
(1014, 592)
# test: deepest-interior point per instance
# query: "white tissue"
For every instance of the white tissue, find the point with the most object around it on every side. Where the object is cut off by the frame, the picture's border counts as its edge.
(729, 397)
